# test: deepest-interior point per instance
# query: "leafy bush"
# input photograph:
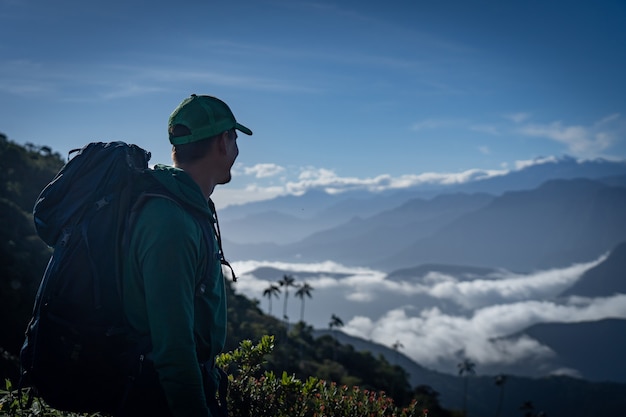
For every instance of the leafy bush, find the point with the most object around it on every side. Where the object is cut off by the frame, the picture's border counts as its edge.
(253, 392)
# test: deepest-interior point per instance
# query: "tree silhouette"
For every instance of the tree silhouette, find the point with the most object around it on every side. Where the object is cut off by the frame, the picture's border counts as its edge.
(269, 292)
(335, 322)
(466, 368)
(287, 281)
(303, 291)
(528, 408)
(397, 346)
(500, 380)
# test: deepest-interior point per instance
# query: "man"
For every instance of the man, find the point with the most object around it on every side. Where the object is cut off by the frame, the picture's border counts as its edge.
(168, 298)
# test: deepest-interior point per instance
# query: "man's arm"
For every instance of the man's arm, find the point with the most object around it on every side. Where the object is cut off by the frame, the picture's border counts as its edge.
(169, 243)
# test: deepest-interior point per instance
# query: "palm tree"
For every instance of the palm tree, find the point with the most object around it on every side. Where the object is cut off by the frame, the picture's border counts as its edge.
(269, 292)
(500, 380)
(528, 407)
(466, 368)
(287, 281)
(303, 291)
(397, 346)
(335, 322)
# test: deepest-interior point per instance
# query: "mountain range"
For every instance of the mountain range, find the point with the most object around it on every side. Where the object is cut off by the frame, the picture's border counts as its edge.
(547, 216)
(556, 223)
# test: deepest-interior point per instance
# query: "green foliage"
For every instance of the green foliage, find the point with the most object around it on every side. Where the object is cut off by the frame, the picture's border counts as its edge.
(21, 404)
(302, 355)
(24, 171)
(258, 393)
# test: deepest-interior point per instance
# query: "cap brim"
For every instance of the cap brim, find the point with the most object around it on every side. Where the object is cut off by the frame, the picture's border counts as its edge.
(243, 129)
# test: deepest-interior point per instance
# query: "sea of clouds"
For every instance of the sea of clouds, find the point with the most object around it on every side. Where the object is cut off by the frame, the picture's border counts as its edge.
(437, 318)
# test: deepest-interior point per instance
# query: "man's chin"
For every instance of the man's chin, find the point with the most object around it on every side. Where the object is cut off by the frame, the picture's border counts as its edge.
(226, 180)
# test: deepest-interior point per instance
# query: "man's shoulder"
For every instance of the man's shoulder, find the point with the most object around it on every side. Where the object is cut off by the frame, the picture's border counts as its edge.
(162, 206)
(162, 215)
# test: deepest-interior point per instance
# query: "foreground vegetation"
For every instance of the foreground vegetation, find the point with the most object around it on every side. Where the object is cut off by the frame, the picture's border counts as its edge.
(259, 393)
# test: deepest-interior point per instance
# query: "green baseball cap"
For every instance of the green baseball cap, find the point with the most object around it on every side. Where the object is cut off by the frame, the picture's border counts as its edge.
(204, 116)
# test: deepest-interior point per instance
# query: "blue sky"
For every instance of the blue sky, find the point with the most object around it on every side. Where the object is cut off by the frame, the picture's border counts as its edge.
(338, 93)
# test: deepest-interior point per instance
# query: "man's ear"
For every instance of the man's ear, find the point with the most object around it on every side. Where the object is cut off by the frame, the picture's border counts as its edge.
(221, 142)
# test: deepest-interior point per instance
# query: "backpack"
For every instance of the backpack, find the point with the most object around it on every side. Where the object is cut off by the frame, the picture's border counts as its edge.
(79, 353)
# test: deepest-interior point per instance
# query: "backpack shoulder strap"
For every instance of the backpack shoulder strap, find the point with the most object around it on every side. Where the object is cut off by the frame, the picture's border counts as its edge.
(203, 223)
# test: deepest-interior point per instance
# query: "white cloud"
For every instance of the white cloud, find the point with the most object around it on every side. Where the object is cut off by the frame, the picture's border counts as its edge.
(509, 287)
(311, 178)
(489, 129)
(519, 165)
(501, 304)
(434, 339)
(319, 178)
(261, 170)
(228, 196)
(129, 90)
(582, 141)
(434, 124)
(18, 78)
(517, 117)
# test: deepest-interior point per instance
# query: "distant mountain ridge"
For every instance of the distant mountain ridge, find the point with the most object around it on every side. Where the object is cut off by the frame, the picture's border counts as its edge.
(557, 224)
(534, 175)
(592, 349)
(560, 223)
(303, 226)
(291, 218)
(604, 280)
(315, 201)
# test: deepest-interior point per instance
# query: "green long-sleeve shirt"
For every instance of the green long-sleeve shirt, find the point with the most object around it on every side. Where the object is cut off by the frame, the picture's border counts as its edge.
(167, 261)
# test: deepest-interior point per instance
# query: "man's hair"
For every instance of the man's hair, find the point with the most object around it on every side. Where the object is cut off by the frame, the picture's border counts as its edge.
(189, 152)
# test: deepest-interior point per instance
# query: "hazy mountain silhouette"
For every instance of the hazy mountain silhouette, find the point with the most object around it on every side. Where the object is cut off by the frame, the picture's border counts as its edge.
(460, 272)
(274, 274)
(560, 223)
(557, 224)
(604, 280)
(360, 241)
(388, 231)
(292, 218)
(594, 349)
(533, 176)
(289, 219)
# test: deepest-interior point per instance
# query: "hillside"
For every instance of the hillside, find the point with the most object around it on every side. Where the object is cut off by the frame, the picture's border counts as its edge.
(301, 351)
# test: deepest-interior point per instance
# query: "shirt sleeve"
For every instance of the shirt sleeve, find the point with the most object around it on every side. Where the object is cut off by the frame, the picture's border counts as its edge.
(169, 251)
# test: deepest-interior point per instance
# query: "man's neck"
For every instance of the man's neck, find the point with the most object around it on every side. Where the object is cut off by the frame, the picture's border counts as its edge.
(201, 176)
